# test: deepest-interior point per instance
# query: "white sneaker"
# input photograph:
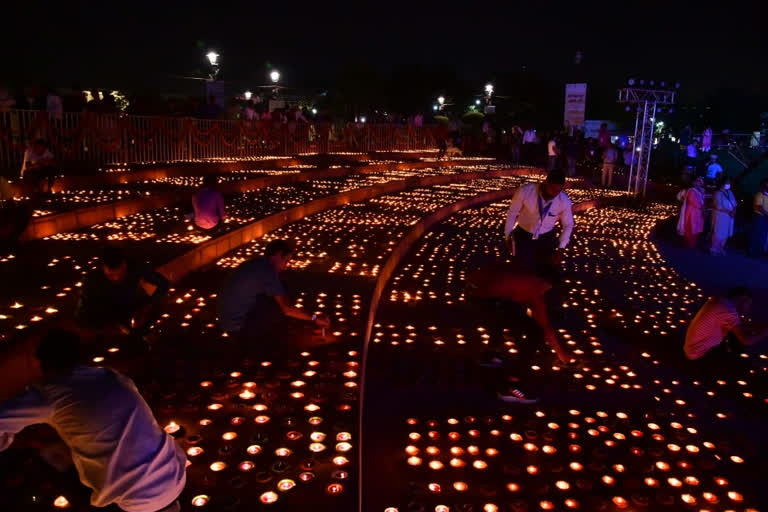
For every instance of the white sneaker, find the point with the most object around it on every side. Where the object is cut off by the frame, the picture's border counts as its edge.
(515, 396)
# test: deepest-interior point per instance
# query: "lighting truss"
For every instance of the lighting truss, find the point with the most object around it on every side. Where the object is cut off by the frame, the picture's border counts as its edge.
(647, 102)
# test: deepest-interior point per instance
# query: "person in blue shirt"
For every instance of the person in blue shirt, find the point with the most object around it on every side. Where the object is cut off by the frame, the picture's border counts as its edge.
(253, 302)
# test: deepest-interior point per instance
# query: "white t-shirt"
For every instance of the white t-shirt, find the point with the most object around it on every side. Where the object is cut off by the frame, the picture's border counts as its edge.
(716, 318)
(552, 148)
(117, 446)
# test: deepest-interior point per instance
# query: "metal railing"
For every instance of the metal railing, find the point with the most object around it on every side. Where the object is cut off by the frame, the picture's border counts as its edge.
(94, 140)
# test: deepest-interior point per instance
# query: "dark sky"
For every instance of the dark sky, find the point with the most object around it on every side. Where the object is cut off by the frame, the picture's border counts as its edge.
(114, 44)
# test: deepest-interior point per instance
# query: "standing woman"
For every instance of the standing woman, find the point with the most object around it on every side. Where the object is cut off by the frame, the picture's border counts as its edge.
(691, 222)
(723, 212)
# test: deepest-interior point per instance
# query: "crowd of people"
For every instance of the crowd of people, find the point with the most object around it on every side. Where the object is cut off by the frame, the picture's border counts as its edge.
(717, 207)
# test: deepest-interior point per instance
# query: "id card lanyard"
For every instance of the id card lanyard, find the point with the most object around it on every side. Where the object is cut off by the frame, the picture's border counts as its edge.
(543, 211)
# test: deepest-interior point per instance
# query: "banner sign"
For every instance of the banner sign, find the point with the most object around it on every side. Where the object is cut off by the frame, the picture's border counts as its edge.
(575, 104)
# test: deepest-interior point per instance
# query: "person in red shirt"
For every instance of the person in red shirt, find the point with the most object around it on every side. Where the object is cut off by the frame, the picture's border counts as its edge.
(512, 282)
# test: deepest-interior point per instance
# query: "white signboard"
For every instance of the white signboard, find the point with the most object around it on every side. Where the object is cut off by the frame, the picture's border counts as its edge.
(575, 104)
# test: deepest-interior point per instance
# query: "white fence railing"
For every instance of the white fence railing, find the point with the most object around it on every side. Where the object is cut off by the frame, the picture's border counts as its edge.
(92, 139)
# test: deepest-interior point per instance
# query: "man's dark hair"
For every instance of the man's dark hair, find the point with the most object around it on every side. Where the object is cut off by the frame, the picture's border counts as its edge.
(281, 247)
(210, 180)
(59, 351)
(722, 180)
(739, 291)
(113, 257)
(556, 176)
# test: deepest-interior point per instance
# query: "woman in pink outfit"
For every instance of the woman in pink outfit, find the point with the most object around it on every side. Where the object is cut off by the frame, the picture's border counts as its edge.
(691, 222)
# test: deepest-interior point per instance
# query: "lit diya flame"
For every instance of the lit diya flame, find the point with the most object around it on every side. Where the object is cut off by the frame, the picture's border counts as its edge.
(343, 447)
(254, 449)
(334, 489)
(283, 452)
(261, 419)
(172, 428)
(316, 447)
(285, 485)
(247, 394)
(343, 436)
(200, 500)
(229, 436)
(218, 466)
(194, 451)
(340, 460)
(61, 502)
(268, 497)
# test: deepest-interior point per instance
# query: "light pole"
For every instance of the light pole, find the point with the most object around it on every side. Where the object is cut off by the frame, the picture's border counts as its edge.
(213, 58)
(488, 93)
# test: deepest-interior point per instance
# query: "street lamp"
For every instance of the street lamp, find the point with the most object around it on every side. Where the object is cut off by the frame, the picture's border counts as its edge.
(248, 95)
(274, 76)
(213, 58)
(441, 100)
(489, 89)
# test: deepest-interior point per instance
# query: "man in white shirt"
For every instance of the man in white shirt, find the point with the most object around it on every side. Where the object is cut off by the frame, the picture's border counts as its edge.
(714, 170)
(533, 213)
(717, 318)
(117, 447)
(552, 152)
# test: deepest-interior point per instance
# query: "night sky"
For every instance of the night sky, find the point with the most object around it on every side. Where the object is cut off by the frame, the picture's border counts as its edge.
(139, 44)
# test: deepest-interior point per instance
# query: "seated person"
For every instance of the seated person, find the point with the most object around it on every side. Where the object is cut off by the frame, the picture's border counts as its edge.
(209, 205)
(120, 296)
(38, 166)
(117, 447)
(253, 301)
(718, 318)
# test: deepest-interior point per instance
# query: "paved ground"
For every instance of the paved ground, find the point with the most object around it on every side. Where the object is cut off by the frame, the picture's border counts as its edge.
(715, 273)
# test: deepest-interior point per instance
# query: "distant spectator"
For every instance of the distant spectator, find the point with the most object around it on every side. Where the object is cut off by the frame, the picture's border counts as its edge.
(7, 101)
(610, 157)
(515, 144)
(692, 154)
(418, 120)
(249, 112)
(723, 211)
(759, 238)
(54, 105)
(603, 136)
(714, 170)
(529, 143)
(39, 166)
(572, 152)
(706, 140)
(691, 221)
(209, 205)
(552, 153)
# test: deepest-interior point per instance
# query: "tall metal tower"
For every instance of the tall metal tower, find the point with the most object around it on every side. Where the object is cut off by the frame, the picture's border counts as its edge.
(647, 103)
